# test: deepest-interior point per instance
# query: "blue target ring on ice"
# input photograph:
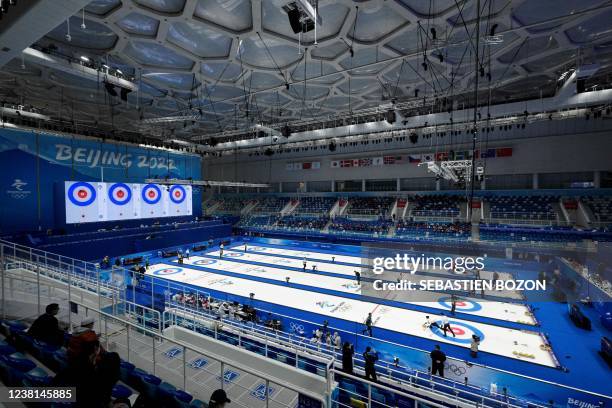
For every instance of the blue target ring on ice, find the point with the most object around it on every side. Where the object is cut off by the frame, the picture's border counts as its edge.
(463, 332)
(177, 194)
(233, 254)
(462, 305)
(81, 194)
(151, 194)
(120, 194)
(168, 271)
(204, 262)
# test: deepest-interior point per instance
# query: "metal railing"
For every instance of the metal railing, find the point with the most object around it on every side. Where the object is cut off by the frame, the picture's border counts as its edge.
(172, 360)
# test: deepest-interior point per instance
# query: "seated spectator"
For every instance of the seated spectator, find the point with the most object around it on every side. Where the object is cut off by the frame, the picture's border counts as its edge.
(218, 399)
(46, 327)
(107, 372)
(81, 374)
(82, 337)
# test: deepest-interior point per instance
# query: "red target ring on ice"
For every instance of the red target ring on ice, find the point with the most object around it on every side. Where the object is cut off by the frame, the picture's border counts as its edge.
(177, 194)
(120, 194)
(81, 194)
(151, 194)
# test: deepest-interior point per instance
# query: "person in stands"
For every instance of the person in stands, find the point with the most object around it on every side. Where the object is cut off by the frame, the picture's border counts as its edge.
(46, 327)
(348, 350)
(107, 373)
(218, 399)
(81, 374)
(370, 357)
(437, 361)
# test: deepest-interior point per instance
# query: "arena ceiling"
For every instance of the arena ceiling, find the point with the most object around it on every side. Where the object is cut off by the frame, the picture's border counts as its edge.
(233, 63)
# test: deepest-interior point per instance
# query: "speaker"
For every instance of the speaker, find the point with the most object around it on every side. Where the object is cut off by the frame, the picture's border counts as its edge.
(294, 20)
(332, 146)
(390, 116)
(580, 85)
(414, 138)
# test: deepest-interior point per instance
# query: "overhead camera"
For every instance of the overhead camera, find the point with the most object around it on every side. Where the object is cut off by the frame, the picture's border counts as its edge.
(83, 26)
(68, 37)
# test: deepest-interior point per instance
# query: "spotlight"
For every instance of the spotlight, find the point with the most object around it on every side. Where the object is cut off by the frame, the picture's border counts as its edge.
(84, 58)
(414, 138)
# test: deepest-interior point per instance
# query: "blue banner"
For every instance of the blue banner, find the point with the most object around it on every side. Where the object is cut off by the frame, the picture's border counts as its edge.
(33, 162)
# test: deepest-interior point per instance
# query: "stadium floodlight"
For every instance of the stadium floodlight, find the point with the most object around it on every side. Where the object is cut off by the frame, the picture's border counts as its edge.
(204, 183)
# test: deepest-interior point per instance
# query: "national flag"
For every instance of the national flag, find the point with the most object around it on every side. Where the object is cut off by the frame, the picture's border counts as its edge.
(392, 159)
(366, 162)
(289, 166)
(377, 161)
(427, 157)
(346, 163)
(504, 152)
(488, 153)
(316, 165)
(459, 155)
(355, 162)
(441, 156)
(306, 165)
(335, 163)
(414, 158)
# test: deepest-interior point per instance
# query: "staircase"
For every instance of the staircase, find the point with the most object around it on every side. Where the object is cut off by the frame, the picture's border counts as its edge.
(249, 207)
(290, 207)
(343, 205)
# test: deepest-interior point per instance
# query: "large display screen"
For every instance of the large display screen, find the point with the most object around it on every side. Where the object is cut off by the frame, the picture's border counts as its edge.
(98, 202)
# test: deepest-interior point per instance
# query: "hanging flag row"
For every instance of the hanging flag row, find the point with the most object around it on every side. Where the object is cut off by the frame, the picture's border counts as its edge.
(303, 166)
(423, 157)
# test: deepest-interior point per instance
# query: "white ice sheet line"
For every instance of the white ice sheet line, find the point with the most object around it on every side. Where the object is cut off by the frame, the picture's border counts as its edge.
(494, 310)
(516, 344)
(310, 255)
(313, 257)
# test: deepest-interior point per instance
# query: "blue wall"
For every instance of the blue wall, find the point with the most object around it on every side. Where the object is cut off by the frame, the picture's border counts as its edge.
(32, 163)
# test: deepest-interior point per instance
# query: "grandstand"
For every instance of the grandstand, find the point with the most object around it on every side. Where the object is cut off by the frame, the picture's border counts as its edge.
(305, 204)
